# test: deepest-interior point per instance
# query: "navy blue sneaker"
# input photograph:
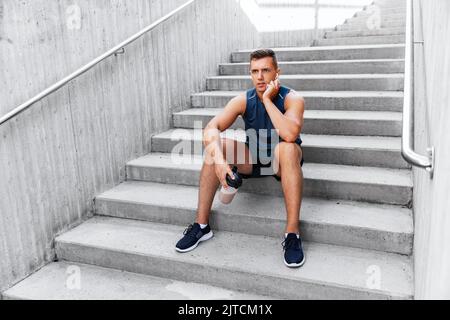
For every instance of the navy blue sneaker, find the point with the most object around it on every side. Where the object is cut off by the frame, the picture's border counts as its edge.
(293, 251)
(193, 235)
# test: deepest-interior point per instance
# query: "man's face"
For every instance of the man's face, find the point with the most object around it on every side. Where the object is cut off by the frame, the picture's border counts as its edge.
(262, 72)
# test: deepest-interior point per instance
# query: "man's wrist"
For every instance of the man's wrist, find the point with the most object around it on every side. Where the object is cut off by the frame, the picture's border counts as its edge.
(266, 101)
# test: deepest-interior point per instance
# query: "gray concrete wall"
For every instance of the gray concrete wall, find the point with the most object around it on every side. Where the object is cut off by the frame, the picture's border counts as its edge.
(432, 116)
(55, 157)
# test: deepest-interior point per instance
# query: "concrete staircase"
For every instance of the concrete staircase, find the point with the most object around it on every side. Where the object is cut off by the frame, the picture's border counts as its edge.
(355, 219)
(379, 23)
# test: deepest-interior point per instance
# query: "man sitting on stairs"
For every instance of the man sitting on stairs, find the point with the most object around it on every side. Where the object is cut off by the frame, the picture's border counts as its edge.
(269, 110)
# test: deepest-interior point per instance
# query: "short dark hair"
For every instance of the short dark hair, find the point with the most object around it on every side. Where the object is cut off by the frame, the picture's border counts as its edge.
(263, 53)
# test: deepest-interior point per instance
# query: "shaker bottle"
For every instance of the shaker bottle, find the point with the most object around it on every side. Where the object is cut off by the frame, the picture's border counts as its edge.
(227, 195)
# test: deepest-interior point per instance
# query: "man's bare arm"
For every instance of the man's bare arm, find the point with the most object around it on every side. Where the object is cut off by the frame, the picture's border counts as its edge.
(290, 123)
(211, 135)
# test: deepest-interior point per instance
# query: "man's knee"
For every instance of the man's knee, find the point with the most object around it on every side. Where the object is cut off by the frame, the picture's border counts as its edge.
(288, 151)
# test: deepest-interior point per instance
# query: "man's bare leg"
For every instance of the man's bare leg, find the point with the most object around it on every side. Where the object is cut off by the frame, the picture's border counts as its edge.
(207, 190)
(287, 160)
(237, 154)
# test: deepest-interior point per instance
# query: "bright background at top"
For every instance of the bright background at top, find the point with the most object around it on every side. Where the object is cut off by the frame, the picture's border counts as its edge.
(284, 15)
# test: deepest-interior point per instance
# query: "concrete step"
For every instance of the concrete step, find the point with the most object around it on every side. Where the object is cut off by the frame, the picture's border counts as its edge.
(390, 3)
(382, 10)
(365, 33)
(329, 122)
(325, 82)
(365, 19)
(343, 150)
(370, 184)
(99, 283)
(353, 224)
(323, 67)
(238, 261)
(355, 52)
(391, 101)
(365, 26)
(397, 39)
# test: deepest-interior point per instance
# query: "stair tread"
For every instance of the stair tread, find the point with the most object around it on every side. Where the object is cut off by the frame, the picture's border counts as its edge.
(361, 25)
(319, 76)
(387, 36)
(396, 17)
(337, 94)
(326, 264)
(99, 283)
(313, 114)
(329, 48)
(381, 29)
(360, 33)
(281, 63)
(316, 171)
(386, 218)
(374, 39)
(309, 140)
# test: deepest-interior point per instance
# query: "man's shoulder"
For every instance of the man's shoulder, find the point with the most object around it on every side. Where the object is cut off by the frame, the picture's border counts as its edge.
(241, 97)
(237, 104)
(295, 96)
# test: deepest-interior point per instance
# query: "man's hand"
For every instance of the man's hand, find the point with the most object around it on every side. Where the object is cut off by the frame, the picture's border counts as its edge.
(222, 169)
(215, 157)
(272, 90)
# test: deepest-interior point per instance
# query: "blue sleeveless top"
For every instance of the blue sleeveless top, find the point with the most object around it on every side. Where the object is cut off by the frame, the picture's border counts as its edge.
(257, 118)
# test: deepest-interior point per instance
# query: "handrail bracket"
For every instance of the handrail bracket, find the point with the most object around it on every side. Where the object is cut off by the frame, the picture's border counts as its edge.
(121, 51)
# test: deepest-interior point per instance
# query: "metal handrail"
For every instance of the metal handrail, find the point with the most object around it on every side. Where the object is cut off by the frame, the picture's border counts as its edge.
(408, 153)
(116, 50)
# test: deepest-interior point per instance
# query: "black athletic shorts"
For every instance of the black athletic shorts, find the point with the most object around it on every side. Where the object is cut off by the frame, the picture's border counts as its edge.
(256, 171)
